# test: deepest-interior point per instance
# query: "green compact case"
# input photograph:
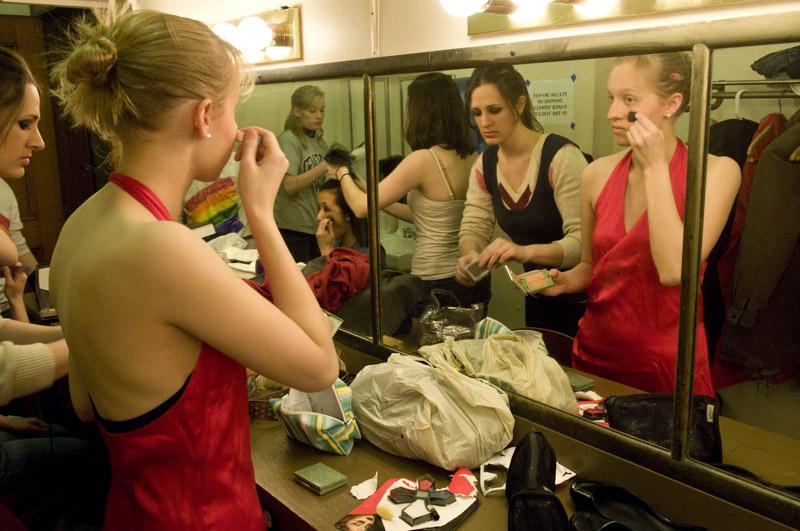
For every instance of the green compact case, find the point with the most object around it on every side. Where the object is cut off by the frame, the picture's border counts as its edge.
(320, 478)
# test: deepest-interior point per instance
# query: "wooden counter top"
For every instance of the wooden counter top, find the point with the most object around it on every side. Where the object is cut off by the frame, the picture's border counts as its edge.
(276, 457)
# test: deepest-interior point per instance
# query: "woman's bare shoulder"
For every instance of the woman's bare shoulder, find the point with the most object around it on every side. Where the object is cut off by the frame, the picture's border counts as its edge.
(721, 164)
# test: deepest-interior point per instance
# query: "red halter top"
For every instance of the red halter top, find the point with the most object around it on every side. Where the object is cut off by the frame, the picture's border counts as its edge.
(188, 465)
(629, 332)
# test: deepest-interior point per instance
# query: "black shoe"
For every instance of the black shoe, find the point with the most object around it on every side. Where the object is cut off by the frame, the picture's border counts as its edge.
(616, 503)
(530, 487)
(791, 490)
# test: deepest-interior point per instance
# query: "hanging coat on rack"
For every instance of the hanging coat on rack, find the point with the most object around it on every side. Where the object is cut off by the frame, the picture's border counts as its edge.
(762, 331)
(731, 138)
(728, 138)
(770, 127)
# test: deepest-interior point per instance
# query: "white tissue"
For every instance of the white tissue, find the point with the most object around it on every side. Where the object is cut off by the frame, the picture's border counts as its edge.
(365, 489)
(227, 240)
(241, 255)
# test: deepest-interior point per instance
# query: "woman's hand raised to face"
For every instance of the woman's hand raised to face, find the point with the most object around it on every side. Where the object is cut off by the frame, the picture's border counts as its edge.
(647, 141)
(262, 166)
(326, 240)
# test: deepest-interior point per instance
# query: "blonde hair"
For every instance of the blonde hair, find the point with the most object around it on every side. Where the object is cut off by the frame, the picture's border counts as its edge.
(671, 73)
(302, 98)
(126, 75)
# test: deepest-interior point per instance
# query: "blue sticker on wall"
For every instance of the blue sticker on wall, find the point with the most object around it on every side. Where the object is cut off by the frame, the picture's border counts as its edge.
(572, 125)
(573, 77)
(527, 82)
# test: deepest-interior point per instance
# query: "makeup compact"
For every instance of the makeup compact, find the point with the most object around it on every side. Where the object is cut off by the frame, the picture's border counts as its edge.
(632, 116)
(531, 282)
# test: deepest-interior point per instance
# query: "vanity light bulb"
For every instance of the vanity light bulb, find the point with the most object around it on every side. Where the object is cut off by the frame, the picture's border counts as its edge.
(530, 4)
(464, 8)
(528, 11)
(595, 8)
(278, 53)
(227, 32)
(254, 34)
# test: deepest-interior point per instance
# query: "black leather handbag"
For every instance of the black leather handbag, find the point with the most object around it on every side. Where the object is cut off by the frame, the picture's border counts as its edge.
(649, 417)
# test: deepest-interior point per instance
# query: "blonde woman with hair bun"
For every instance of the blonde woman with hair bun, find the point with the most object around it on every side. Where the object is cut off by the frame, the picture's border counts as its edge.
(632, 216)
(160, 329)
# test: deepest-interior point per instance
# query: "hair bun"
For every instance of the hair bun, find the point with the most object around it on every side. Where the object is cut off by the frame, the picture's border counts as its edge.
(92, 62)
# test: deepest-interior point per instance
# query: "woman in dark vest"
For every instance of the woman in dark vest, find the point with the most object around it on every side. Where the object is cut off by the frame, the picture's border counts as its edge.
(527, 182)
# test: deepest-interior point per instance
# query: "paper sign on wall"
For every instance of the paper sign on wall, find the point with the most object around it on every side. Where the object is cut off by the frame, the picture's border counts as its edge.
(552, 101)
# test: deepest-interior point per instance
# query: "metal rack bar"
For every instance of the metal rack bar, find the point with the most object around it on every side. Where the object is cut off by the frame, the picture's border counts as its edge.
(756, 95)
(745, 82)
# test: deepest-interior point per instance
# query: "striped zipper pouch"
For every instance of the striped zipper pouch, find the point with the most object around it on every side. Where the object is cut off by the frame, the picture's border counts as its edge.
(323, 419)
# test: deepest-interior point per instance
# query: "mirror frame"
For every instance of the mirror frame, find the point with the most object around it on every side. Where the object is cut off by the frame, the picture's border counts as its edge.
(702, 38)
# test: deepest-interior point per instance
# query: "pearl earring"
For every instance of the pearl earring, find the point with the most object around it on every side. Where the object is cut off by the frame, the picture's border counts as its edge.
(208, 135)
(668, 115)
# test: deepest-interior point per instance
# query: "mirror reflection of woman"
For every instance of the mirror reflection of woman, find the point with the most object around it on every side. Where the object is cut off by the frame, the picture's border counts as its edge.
(434, 176)
(337, 223)
(512, 184)
(632, 214)
(302, 143)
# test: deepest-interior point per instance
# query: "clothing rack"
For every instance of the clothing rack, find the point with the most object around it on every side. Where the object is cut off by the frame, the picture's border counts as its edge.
(781, 90)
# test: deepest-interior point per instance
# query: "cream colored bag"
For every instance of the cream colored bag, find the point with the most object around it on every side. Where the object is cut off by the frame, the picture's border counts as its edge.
(430, 411)
(511, 362)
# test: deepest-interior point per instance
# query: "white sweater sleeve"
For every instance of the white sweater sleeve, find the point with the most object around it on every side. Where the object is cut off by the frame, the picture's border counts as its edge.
(565, 177)
(478, 221)
(24, 369)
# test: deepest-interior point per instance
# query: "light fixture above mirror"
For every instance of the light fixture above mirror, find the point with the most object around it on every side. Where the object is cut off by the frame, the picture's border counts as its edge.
(487, 16)
(465, 8)
(269, 37)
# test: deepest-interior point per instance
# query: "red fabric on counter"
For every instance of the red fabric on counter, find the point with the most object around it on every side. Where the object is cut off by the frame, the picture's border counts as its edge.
(345, 273)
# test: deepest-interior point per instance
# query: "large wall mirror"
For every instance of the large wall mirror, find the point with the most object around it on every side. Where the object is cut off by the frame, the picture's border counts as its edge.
(571, 99)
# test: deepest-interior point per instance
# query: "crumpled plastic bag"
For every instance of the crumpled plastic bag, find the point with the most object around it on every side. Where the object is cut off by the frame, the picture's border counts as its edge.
(413, 408)
(520, 365)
